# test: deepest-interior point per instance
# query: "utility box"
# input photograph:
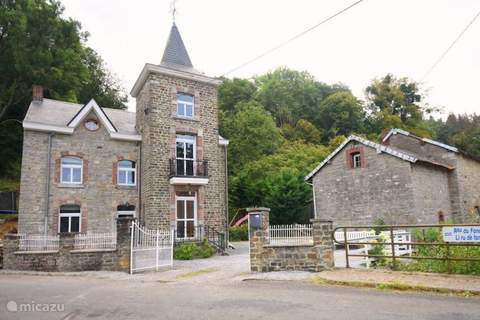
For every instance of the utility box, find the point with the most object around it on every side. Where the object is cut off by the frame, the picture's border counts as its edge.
(255, 221)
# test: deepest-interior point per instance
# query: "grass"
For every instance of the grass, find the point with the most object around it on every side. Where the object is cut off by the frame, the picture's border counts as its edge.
(392, 285)
(8, 215)
(196, 273)
(9, 185)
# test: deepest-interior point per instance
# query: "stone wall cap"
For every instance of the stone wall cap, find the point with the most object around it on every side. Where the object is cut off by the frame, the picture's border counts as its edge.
(37, 252)
(257, 209)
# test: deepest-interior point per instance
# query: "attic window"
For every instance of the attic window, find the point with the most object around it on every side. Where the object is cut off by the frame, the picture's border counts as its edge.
(356, 160)
(91, 125)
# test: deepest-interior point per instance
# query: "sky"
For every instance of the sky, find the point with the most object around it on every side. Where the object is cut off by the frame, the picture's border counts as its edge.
(376, 37)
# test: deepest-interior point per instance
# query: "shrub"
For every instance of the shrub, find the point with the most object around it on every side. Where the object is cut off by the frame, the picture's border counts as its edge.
(191, 250)
(239, 233)
(441, 251)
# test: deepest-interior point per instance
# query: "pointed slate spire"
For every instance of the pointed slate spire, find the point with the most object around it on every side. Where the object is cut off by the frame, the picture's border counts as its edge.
(175, 54)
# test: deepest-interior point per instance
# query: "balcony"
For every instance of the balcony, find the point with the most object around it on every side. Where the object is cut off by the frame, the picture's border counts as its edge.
(193, 172)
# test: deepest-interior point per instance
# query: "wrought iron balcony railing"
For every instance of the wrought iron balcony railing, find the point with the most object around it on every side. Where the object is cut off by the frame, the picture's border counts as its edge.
(188, 168)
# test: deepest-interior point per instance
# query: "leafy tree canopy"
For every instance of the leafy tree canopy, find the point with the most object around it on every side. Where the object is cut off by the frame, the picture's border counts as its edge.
(39, 46)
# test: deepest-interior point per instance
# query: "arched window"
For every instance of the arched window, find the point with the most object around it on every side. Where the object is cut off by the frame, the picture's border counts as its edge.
(71, 170)
(69, 218)
(126, 173)
(126, 210)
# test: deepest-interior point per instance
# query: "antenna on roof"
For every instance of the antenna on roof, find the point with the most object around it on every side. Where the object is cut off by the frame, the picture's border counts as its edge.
(173, 9)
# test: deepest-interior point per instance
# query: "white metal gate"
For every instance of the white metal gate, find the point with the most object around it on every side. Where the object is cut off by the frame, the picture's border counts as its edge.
(150, 249)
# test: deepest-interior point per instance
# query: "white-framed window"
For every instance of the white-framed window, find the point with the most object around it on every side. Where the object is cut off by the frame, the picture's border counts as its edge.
(69, 219)
(126, 173)
(126, 210)
(71, 170)
(186, 212)
(185, 154)
(185, 105)
(356, 160)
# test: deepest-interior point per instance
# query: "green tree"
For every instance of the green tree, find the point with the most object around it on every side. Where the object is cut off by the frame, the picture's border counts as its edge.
(397, 96)
(39, 46)
(291, 95)
(304, 130)
(262, 181)
(234, 91)
(252, 134)
(341, 113)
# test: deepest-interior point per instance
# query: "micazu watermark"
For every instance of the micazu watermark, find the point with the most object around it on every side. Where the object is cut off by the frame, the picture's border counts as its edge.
(13, 306)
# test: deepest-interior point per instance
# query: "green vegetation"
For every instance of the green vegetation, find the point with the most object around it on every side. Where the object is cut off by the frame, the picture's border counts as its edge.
(40, 46)
(441, 251)
(239, 233)
(191, 250)
(391, 285)
(9, 185)
(280, 124)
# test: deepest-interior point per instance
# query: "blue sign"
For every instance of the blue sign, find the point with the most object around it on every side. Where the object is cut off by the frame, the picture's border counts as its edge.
(461, 234)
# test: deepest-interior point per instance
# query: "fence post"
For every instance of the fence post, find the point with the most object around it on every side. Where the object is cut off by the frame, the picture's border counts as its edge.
(392, 243)
(124, 243)
(156, 250)
(258, 224)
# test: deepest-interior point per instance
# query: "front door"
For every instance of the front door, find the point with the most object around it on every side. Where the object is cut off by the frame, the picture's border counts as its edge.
(186, 217)
(185, 155)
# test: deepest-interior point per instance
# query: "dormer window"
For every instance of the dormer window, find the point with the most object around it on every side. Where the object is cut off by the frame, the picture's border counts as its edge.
(185, 105)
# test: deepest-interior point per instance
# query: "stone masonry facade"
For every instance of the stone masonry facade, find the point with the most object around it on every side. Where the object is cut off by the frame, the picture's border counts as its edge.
(440, 185)
(102, 137)
(98, 196)
(265, 257)
(158, 124)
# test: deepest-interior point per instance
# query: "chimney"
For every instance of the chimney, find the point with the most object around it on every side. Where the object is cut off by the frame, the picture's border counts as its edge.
(37, 93)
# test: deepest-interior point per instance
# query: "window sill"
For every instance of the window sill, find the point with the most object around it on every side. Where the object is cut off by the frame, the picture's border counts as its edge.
(185, 118)
(70, 185)
(121, 187)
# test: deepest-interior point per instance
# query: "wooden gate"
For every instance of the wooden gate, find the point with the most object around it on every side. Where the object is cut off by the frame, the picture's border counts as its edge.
(150, 249)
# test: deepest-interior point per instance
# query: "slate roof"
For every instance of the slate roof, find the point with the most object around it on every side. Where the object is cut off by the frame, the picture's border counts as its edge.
(380, 148)
(175, 55)
(430, 141)
(60, 113)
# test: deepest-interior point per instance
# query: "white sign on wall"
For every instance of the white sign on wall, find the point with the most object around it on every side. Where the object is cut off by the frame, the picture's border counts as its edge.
(461, 234)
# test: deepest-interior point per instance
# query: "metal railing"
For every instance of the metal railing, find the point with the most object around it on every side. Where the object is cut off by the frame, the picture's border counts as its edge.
(188, 168)
(201, 233)
(290, 235)
(95, 241)
(38, 243)
(403, 242)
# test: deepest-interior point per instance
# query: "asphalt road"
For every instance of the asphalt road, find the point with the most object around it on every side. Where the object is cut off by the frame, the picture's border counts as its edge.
(86, 297)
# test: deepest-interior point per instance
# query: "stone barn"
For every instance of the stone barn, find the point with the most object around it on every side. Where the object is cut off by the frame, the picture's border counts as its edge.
(402, 180)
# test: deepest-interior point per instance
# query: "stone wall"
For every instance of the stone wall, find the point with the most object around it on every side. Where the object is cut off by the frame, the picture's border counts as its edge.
(468, 175)
(67, 259)
(265, 257)
(98, 195)
(430, 193)
(156, 109)
(382, 188)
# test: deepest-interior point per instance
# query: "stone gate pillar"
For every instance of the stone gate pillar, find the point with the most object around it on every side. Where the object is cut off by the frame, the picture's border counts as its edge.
(258, 222)
(123, 242)
(323, 241)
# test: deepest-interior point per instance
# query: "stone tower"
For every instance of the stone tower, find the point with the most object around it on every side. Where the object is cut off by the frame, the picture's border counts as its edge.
(183, 158)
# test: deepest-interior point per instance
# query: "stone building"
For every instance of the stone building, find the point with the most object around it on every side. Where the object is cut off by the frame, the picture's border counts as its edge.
(405, 179)
(84, 165)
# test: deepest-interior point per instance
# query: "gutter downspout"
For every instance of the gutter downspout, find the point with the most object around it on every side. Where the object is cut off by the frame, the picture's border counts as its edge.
(139, 183)
(314, 202)
(47, 189)
(227, 234)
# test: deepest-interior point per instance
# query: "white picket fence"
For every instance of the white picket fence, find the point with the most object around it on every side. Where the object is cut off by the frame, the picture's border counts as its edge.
(94, 241)
(39, 243)
(354, 235)
(290, 235)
